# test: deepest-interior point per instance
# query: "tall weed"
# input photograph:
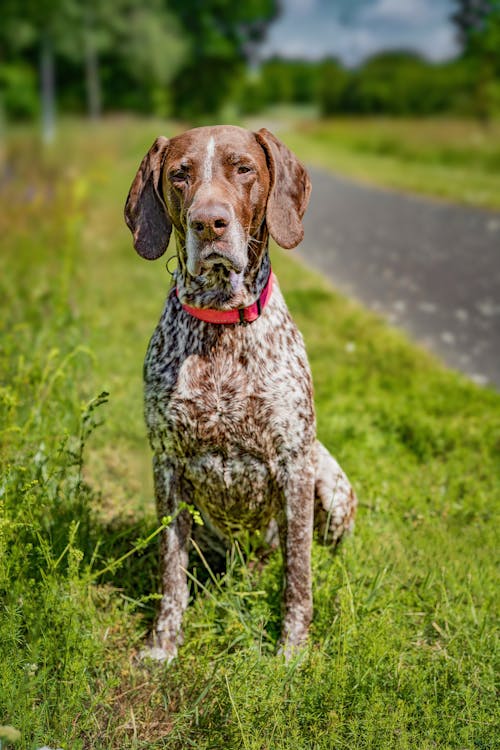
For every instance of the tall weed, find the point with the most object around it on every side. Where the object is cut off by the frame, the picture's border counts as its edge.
(50, 627)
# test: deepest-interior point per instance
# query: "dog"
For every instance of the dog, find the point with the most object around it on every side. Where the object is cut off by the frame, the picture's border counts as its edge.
(228, 389)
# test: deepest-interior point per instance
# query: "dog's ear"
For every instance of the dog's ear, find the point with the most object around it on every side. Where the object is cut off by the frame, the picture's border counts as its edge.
(289, 191)
(145, 210)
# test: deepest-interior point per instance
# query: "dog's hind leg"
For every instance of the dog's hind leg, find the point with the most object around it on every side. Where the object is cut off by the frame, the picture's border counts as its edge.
(334, 499)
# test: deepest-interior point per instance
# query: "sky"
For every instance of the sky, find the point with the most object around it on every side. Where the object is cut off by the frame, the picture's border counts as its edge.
(355, 29)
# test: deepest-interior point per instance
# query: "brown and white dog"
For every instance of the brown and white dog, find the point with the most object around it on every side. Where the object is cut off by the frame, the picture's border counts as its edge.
(228, 391)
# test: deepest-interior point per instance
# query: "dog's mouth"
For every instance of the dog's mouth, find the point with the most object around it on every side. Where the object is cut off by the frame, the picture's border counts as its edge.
(218, 262)
(216, 259)
(217, 266)
(222, 271)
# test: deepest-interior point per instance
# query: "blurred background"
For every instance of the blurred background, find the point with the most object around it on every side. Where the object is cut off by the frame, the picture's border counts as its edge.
(385, 87)
(199, 59)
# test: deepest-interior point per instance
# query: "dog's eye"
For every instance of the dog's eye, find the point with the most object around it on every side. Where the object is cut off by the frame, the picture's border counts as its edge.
(180, 175)
(244, 169)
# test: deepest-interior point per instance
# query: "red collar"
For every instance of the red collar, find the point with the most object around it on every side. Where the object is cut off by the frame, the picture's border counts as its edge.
(243, 315)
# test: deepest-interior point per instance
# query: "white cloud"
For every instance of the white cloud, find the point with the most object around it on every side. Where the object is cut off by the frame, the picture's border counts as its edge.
(439, 43)
(300, 7)
(407, 12)
(420, 25)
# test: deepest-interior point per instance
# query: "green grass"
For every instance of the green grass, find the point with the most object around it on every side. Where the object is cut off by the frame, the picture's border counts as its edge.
(452, 159)
(402, 646)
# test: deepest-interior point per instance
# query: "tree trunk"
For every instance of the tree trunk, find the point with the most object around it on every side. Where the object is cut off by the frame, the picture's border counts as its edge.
(47, 89)
(92, 77)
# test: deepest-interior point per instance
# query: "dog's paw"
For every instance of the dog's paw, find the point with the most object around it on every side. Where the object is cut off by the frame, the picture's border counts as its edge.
(158, 650)
(291, 651)
(157, 655)
(293, 640)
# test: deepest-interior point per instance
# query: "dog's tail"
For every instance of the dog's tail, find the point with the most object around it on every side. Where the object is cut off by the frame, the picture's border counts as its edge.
(335, 502)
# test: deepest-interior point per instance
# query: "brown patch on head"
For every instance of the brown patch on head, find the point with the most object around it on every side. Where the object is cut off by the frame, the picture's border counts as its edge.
(232, 170)
(289, 192)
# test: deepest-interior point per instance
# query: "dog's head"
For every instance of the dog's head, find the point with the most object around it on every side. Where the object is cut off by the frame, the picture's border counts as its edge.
(223, 189)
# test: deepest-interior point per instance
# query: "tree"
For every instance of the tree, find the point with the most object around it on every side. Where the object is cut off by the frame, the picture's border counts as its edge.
(35, 25)
(478, 27)
(472, 18)
(140, 40)
(285, 80)
(138, 37)
(334, 82)
(153, 48)
(223, 37)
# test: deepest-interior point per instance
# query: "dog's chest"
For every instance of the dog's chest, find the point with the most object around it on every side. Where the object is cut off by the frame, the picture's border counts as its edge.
(211, 402)
(243, 391)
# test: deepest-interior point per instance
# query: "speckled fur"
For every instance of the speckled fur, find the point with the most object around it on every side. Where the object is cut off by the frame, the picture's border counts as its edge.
(229, 408)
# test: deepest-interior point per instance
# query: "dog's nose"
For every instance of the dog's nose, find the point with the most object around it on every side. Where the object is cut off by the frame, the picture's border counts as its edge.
(210, 221)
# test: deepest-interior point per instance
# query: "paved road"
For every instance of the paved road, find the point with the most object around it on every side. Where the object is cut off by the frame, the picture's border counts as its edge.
(431, 268)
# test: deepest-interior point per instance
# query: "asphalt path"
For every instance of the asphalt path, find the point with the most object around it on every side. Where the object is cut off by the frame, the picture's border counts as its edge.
(430, 267)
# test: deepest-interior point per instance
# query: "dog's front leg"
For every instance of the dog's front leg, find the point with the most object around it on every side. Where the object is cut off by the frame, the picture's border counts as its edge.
(167, 633)
(296, 530)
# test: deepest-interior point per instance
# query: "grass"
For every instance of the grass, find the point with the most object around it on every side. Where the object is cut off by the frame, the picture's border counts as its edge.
(453, 159)
(402, 648)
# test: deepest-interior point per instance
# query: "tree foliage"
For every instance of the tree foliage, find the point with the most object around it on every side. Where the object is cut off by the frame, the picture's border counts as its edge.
(477, 24)
(395, 83)
(478, 29)
(188, 58)
(182, 56)
(223, 36)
